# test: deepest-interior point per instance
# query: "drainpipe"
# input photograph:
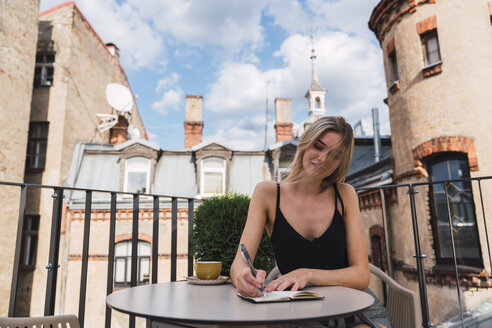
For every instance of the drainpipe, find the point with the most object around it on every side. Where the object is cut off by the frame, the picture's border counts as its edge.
(377, 138)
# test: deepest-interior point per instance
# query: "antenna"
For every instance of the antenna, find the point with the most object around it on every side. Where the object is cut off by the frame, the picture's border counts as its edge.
(120, 98)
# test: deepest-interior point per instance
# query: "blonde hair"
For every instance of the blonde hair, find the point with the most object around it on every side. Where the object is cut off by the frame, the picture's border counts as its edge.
(343, 151)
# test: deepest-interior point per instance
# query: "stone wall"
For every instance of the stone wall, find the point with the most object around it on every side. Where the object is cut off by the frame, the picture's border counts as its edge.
(18, 37)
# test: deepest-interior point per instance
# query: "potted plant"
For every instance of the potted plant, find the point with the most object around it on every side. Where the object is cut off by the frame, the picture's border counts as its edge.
(218, 225)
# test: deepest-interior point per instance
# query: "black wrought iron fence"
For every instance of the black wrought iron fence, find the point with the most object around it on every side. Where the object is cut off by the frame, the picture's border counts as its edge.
(56, 220)
(58, 194)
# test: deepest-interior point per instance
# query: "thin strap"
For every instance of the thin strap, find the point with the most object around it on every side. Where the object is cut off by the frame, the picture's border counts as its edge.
(337, 195)
(278, 196)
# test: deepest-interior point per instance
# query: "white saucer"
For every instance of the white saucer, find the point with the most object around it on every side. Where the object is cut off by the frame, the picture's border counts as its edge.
(194, 280)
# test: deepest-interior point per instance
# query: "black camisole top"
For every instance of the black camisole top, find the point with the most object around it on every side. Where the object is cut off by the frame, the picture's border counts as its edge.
(293, 251)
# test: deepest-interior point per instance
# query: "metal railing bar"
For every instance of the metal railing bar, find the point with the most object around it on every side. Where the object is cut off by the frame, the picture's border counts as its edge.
(191, 207)
(84, 189)
(49, 303)
(426, 323)
(385, 231)
(485, 224)
(454, 253)
(133, 280)
(112, 229)
(18, 248)
(449, 181)
(174, 238)
(389, 186)
(85, 256)
(155, 239)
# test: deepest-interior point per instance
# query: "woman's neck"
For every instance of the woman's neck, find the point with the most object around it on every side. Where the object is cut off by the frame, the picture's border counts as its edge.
(311, 187)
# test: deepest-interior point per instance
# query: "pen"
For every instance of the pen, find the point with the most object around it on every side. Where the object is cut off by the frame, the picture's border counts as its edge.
(244, 251)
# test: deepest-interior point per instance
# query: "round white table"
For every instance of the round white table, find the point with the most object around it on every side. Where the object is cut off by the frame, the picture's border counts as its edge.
(185, 303)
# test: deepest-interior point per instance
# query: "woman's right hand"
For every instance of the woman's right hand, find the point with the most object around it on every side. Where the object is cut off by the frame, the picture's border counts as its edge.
(246, 284)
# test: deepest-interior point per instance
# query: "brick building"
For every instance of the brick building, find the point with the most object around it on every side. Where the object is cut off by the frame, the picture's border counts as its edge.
(55, 99)
(438, 64)
(18, 37)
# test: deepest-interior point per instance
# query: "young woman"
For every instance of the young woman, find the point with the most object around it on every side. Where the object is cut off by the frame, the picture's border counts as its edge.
(313, 221)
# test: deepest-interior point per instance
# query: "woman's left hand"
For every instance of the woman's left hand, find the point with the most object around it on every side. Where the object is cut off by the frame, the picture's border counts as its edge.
(294, 280)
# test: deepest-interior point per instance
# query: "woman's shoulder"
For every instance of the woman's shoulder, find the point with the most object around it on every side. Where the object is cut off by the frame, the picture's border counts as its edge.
(266, 187)
(346, 190)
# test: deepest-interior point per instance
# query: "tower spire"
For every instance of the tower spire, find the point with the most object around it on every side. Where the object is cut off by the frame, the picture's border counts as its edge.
(316, 93)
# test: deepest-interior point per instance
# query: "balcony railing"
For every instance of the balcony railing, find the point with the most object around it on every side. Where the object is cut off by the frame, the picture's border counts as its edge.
(114, 198)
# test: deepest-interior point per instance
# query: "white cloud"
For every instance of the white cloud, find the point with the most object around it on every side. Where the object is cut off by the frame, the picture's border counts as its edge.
(233, 26)
(349, 68)
(140, 46)
(171, 100)
(167, 82)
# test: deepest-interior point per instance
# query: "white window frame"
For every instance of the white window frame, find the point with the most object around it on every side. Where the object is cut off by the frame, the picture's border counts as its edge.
(140, 168)
(212, 170)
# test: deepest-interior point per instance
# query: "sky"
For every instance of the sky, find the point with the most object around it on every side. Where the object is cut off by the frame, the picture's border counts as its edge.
(240, 56)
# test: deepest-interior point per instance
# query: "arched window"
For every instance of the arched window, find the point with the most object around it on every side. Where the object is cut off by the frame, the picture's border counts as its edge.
(212, 180)
(317, 102)
(450, 166)
(123, 263)
(137, 175)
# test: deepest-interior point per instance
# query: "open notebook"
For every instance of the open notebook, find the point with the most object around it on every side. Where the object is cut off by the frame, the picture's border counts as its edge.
(284, 296)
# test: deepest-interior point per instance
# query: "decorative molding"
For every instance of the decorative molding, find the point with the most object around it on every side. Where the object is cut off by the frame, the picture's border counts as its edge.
(372, 199)
(380, 22)
(427, 25)
(445, 144)
(127, 214)
(128, 236)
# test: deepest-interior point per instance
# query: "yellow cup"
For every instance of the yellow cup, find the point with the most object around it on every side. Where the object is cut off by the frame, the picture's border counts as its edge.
(208, 270)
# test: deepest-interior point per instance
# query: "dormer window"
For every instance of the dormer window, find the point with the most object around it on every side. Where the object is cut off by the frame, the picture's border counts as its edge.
(137, 175)
(213, 173)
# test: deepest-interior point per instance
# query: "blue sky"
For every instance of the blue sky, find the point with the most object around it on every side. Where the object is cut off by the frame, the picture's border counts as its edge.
(226, 50)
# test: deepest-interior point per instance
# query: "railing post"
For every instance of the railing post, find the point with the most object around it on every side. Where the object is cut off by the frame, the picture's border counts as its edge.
(485, 225)
(426, 323)
(49, 303)
(133, 279)
(109, 286)
(385, 231)
(174, 237)
(85, 256)
(18, 247)
(191, 207)
(454, 252)
(155, 239)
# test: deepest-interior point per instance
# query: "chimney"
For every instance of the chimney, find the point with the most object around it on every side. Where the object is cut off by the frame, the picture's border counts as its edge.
(193, 121)
(119, 132)
(283, 124)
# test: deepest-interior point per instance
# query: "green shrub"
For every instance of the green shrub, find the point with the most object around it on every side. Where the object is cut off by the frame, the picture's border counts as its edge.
(218, 225)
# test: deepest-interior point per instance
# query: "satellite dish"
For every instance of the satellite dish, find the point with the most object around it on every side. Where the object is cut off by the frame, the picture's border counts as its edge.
(133, 132)
(119, 97)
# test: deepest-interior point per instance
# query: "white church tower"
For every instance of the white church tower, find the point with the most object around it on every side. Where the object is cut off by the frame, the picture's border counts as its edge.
(315, 96)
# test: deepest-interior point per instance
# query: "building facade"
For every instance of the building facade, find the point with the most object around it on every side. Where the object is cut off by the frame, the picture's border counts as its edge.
(437, 59)
(18, 37)
(50, 106)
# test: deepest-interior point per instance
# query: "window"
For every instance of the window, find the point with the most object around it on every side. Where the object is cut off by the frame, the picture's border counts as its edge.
(43, 74)
(212, 180)
(393, 67)
(137, 175)
(430, 44)
(123, 263)
(36, 146)
(318, 102)
(29, 241)
(462, 211)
